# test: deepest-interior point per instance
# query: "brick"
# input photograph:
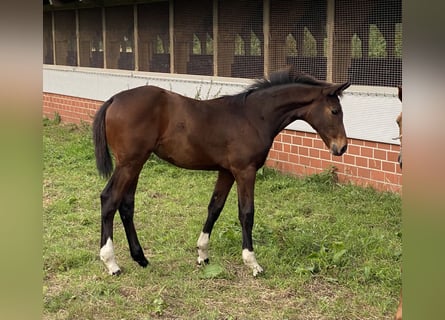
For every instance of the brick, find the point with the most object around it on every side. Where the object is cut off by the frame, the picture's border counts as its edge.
(395, 147)
(370, 144)
(319, 144)
(282, 156)
(273, 154)
(326, 163)
(380, 154)
(353, 149)
(392, 156)
(304, 160)
(303, 151)
(361, 162)
(383, 146)
(287, 167)
(388, 166)
(286, 138)
(366, 152)
(299, 169)
(357, 142)
(375, 164)
(286, 147)
(351, 170)
(377, 175)
(293, 158)
(326, 155)
(277, 146)
(392, 178)
(297, 140)
(364, 172)
(348, 159)
(314, 153)
(315, 163)
(308, 142)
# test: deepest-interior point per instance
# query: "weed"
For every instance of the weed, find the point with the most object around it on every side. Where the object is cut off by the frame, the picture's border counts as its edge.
(158, 304)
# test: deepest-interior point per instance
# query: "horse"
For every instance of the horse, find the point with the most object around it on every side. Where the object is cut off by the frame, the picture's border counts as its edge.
(231, 134)
(398, 315)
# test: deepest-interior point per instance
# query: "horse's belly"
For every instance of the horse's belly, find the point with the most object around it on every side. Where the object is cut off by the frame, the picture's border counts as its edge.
(186, 157)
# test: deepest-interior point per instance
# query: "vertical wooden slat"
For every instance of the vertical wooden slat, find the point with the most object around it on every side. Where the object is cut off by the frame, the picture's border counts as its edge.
(53, 31)
(266, 32)
(76, 13)
(171, 29)
(215, 37)
(104, 37)
(330, 20)
(135, 37)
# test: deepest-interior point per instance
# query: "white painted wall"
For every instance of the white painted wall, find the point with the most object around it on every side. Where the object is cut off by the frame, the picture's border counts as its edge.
(369, 112)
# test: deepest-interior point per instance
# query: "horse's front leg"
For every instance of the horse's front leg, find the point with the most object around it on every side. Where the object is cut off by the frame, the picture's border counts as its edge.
(246, 185)
(222, 187)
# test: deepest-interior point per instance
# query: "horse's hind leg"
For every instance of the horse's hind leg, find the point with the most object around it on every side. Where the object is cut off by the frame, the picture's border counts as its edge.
(111, 198)
(108, 210)
(223, 185)
(126, 211)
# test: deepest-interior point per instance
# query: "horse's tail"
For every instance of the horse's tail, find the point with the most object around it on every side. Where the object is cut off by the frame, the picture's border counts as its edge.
(104, 162)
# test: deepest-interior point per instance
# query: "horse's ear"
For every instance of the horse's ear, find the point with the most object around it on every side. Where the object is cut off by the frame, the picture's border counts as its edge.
(336, 89)
(400, 92)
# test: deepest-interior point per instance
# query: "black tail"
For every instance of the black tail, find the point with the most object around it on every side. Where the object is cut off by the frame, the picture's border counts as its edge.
(104, 162)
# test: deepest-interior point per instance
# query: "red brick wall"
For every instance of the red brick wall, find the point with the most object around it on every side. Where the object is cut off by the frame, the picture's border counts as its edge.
(365, 163)
(70, 109)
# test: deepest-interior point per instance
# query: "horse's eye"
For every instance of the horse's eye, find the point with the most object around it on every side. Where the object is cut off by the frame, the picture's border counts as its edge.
(334, 111)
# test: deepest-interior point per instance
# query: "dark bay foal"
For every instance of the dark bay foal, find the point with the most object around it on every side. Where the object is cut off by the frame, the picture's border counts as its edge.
(231, 135)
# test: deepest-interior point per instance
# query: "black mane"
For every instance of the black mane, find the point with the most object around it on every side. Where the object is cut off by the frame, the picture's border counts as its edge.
(286, 76)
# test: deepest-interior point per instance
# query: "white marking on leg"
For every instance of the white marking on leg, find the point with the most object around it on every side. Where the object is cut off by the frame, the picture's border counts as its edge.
(107, 256)
(203, 246)
(250, 261)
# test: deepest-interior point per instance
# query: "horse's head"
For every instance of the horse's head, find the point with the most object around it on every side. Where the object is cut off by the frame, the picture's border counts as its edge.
(399, 122)
(326, 117)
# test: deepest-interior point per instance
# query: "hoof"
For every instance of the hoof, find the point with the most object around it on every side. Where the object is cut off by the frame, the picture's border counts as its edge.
(142, 262)
(257, 270)
(116, 273)
(203, 261)
(250, 261)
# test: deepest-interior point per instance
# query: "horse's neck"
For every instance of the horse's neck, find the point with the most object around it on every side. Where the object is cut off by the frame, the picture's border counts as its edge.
(282, 106)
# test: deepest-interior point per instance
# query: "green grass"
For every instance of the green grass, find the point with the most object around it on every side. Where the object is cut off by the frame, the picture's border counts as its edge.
(329, 251)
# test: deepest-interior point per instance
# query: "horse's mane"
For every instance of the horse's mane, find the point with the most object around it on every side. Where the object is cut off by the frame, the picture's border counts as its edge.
(287, 76)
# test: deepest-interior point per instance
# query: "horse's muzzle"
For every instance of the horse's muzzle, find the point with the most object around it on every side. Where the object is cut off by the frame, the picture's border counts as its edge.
(336, 151)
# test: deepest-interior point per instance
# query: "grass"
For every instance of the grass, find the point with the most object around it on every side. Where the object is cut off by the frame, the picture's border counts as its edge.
(329, 251)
